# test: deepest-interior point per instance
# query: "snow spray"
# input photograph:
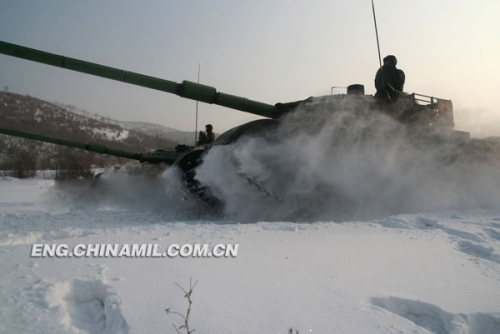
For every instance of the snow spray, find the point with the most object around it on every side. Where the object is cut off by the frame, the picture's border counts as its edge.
(337, 166)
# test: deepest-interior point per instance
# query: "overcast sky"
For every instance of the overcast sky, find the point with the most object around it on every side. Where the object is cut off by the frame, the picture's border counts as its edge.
(270, 51)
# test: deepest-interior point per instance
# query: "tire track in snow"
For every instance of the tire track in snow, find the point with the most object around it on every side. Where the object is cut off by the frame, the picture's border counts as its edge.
(435, 320)
(91, 306)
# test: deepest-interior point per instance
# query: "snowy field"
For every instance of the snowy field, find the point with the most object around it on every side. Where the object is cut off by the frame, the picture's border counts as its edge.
(419, 273)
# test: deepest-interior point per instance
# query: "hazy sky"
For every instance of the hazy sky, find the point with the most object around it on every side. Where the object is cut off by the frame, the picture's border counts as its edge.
(271, 51)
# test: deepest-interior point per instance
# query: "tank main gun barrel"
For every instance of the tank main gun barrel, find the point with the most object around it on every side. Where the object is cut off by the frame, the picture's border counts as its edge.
(97, 148)
(186, 89)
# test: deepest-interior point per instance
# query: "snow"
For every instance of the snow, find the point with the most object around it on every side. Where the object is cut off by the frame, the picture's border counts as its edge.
(182, 137)
(38, 115)
(108, 133)
(335, 235)
(436, 272)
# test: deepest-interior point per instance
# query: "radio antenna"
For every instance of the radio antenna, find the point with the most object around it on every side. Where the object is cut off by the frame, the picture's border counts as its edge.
(376, 33)
(196, 124)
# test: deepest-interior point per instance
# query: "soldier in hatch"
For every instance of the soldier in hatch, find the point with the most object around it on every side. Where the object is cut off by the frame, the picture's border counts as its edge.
(389, 80)
(208, 137)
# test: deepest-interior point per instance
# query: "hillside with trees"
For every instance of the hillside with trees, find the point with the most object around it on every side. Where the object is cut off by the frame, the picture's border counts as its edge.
(22, 157)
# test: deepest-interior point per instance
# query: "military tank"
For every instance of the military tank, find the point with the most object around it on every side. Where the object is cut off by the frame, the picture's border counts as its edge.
(432, 117)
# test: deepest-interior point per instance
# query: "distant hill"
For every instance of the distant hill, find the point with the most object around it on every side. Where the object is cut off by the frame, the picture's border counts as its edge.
(181, 137)
(33, 115)
(150, 129)
(29, 114)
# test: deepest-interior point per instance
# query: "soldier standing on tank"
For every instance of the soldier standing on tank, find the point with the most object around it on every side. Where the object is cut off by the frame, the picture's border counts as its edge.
(208, 137)
(389, 80)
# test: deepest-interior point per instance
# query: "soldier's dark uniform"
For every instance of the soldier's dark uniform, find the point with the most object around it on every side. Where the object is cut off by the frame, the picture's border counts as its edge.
(208, 137)
(389, 80)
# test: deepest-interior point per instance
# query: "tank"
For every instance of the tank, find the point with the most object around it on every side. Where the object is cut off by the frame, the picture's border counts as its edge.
(427, 119)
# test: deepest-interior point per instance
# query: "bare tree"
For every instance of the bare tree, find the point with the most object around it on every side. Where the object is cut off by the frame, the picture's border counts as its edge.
(24, 162)
(185, 318)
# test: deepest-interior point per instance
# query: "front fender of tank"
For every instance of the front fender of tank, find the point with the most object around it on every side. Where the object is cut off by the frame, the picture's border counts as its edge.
(192, 159)
(254, 128)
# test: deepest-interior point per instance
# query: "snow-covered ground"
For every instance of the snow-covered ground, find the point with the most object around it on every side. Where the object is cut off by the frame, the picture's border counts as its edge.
(420, 273)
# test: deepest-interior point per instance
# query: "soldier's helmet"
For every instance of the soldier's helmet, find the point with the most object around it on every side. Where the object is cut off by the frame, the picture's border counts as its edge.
(209, 127)
(391, 60)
